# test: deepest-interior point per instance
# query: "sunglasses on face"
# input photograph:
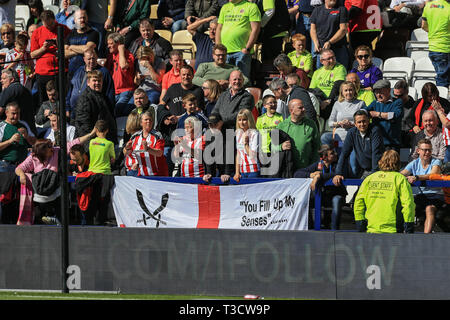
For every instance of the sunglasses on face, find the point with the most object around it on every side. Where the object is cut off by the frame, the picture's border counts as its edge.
(6, 33)
(364, 56)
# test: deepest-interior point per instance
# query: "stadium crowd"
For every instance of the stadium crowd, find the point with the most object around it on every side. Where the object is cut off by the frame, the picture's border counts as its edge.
(275, 88)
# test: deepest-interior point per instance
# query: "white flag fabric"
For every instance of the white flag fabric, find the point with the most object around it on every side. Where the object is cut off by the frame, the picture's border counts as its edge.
(274, 205)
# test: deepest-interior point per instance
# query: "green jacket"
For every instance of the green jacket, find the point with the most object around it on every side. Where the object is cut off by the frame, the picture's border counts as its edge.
(305, 138)
(209, 70)
(124, 18)
(377, 200)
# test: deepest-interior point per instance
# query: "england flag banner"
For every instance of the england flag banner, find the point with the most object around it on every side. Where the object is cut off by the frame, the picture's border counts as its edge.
(274, 205)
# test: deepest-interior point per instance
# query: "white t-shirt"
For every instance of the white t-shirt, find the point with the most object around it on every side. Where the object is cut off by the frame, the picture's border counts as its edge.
(50, 134)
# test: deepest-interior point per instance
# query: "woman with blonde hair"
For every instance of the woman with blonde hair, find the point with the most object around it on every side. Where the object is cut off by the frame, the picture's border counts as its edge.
(211, 90)
(385, 202)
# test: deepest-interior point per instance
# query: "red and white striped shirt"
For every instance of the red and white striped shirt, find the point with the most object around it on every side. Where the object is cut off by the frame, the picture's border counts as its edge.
(190, 165)
(248, 162)
(446, 133)
(148, 165)
(23, 68)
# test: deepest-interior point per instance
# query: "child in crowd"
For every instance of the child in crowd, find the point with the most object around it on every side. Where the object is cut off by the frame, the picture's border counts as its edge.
(247, 141)
(20, 60)
(268, 121)
(101, 150)
(300, 57)
(191, 148)
(190, 104)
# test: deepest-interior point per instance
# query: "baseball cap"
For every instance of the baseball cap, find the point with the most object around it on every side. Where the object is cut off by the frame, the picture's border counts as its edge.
(381, 84)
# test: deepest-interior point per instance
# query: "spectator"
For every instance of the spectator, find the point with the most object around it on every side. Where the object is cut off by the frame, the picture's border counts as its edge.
(300, 57)
(268, 121)
(430, 97)
(171, 15)
(284, 66)
(365, 95)
(203, 42)
(369, 199)
(120, 63)
(12, 91)
(426, 199)
(218, 70)
(36, 9)
(173, 76)
(341, 118)
(78, 82)
(149, 38)
(292, 79)
(127, 16)
(445, 120)
(247, 146)
(198, 10)
(366, 141)
(329, 23)
(101, 150)
(431, 132)
(79, 160)
(43, 49)
(7, 11)
(333, 196)
(275, 24)
(304, 134)
(145, 150)
(8, 36)
(239, 32)
(149, 73)
(52, 133)
(48, 107)
(190, 147)
(83, 38)
(65, 16)
(19, 59)
(44, 157)
(211, 90)
(435, 19)
(232, 100)
(401, 90)
(364, 21)
(190, 104)
(92, 105)
(387, 114)
(366, 70)
(174, 96)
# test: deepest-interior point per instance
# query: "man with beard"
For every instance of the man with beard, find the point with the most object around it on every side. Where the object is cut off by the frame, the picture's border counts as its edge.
(82, 38)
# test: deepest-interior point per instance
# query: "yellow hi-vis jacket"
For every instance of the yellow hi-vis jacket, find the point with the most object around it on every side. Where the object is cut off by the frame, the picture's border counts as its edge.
(377, 201)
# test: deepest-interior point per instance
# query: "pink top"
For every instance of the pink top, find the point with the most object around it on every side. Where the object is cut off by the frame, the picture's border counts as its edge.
(32, 164)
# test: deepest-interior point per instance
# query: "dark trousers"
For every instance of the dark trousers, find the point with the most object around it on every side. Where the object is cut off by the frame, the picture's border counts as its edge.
(41, 82)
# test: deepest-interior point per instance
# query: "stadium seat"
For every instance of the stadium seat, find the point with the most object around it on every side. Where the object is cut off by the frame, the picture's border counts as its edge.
(419, 35)
(418, 84)
(182, 40)
(22, 16)
(412, 92)
(398, 68)
(443, 92)
(154, 12)
(52, 8)
(424, 70)
(255, 92)
(166, 34)
(416, 46)
(47, 2)
(416, 55)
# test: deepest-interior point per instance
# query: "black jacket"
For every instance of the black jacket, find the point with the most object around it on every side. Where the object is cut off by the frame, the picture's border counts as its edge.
(45, 182)
(285, 168)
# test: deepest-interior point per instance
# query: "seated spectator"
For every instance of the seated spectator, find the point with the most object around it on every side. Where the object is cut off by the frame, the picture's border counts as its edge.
(127, 16)
(149, 73)
(44, 158)
(48, 107)
(282, 107)
(52, 133)
(401, 90)
(366, 70)
(292, 79)
(284, 66)
(198, 10)
(120, 63)
(203, 42)
(171, 15)
(211, 90)
(441, 214)
(445, 120)
(149, 38)
(396, 199)
(300, 57)
(190, 148)
(19, 59)
(304, 134)
(8, 36)
(218, 70)
(65, 16)
(232, 100)
(431, 132)
(333, 196)
(341, 118)
(247, 147)
(190, 104)
(430, 96)
(387, 114)
(78, 82)
(365, 95)
(101, 150)
(366, 141)
(173, 76)
(144, 152)
(426, 199)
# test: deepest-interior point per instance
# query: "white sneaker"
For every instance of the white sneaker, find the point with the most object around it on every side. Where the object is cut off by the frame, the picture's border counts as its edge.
(51, 220)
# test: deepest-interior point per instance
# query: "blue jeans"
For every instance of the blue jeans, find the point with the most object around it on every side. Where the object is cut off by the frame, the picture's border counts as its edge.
(441, 62)
(341, 54)
(178, 25)
(336, 203)
(122, 108)
(242, 61)
(132, 173)
(447, 154)
(249, 175)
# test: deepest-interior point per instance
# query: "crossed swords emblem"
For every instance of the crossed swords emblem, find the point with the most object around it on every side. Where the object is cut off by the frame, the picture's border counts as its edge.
(156, 215)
